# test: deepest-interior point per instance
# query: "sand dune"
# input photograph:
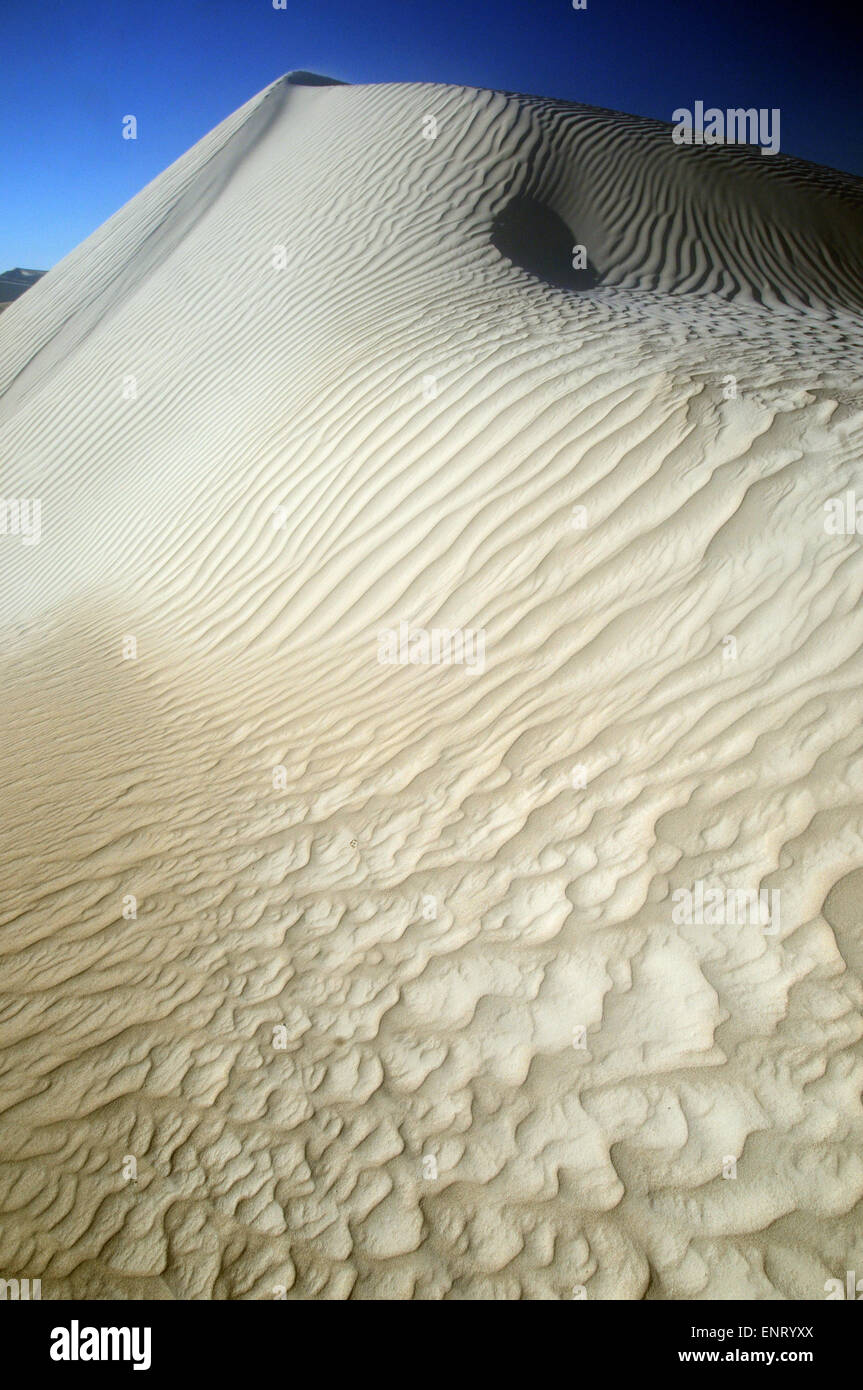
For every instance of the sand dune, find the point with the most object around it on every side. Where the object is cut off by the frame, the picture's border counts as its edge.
(377, 970)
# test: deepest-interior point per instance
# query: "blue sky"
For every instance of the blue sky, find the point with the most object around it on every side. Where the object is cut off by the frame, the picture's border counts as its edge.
(72, 70)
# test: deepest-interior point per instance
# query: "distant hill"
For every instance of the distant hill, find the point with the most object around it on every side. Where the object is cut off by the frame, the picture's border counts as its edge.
(15, 282)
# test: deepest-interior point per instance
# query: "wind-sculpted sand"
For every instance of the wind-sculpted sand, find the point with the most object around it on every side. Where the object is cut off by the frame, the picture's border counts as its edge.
(333, 974)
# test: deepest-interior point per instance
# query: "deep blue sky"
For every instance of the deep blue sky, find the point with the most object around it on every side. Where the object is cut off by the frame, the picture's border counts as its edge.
(72, 70)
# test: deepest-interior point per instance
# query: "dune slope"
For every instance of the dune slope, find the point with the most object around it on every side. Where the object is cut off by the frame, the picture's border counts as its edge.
(340, 977)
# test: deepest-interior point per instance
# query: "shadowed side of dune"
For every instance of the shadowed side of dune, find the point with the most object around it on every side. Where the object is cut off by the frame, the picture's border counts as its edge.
(535, 238)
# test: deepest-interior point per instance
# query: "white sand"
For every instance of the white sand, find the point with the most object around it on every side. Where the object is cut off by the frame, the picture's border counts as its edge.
(428, 902)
